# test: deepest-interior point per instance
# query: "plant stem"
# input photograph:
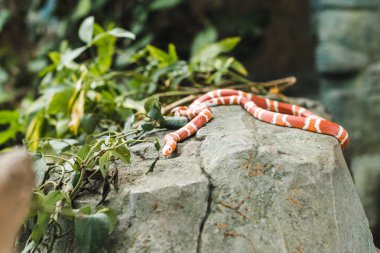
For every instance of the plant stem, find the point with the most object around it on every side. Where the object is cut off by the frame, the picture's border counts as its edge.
(60, 158)
(79, 183)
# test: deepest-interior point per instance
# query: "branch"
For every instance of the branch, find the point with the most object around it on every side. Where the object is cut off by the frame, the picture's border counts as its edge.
(182, 101)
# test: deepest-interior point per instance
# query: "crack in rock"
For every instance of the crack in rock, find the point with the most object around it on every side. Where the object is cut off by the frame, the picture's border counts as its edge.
(208, 210)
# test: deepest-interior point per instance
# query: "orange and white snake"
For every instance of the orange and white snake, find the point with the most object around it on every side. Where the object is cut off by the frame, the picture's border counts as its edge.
(266, 110)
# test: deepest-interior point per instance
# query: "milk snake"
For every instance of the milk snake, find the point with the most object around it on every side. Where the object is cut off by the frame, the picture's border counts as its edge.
(266, 110)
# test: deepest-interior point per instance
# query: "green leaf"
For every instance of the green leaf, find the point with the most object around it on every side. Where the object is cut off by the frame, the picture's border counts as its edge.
(37, 105)
(88, 123)
(226, 45)
(155, 114)
(213, 50)
(5, 14)
(13, 126)
(86, 29)
(157, 53)
(105, 45)
(128, 56)
(85, 210)
(55, 57)
(123, 154)
(47, 150)
(7, 117)
(172, 52)
(60, 101)
(121, 33)
(164, 58)
(133, 104)
(52, 198)
(204, 38)
(39, 168)
(37, 233)
(74, 179)
(157, 145)
(238, 67)
(77, 107)
(44, 216)
(163, 4)
(62, 127)
(61, 144)
(82, 9)
(68, 56)
(33, 132)
(83, 152)
(172, 74)
(47, 70)
(37, 202)
(153, 109)
(147, 126)
(112, 217)
(104, 162)
(91, 231)
(128, 125)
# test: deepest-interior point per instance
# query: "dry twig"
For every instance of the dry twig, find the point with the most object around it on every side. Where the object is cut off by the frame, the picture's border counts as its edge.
(180, 102)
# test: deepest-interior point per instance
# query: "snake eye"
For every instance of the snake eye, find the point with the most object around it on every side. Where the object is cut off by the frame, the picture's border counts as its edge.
(167, 151)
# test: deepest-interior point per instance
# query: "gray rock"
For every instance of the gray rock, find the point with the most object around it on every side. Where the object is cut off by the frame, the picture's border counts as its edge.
(240, 185)
(278, 190)
(335, 59)
(165, 209)
(356, 30)
(371, 91)
(353, 101)
(366, 173)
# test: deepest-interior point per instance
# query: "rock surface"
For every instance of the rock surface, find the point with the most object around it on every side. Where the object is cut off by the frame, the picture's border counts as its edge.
(353, 102)
(332, 58)
(366, 173)
(240, 185)
(354, 30)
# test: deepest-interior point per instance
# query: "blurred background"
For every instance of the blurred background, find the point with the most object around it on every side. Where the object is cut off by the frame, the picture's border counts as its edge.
(331, 46)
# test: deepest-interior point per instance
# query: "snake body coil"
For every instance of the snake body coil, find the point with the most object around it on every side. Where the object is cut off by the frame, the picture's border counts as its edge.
(263, 109)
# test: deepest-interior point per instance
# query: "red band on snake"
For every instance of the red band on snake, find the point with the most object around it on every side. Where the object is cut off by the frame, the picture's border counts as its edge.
(263, 109)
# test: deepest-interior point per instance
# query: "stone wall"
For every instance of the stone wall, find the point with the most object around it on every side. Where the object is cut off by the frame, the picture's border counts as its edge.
(348, 60)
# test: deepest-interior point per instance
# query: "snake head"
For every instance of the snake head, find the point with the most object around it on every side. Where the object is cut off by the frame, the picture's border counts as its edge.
(167, 150)
(179, 111)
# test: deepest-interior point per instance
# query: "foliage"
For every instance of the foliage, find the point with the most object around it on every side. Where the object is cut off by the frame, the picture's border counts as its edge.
(63, 169)
(89, 97)
(12, 125)
(46, 23)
